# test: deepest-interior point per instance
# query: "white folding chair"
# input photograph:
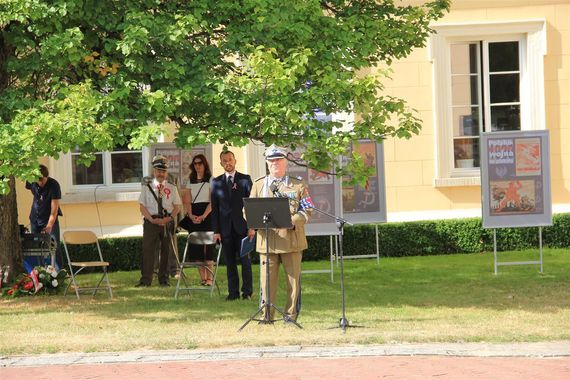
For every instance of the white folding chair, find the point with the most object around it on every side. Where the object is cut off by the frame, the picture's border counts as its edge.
(198, 238)
(75, 267)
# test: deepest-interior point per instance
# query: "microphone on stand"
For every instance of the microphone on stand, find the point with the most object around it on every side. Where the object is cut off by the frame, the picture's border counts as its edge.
(274, 187)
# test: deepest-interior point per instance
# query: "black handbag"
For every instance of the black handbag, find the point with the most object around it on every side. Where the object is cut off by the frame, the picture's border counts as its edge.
(186, 222)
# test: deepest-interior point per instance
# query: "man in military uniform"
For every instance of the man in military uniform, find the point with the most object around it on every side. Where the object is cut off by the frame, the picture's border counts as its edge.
(159, 204)
(285, 245)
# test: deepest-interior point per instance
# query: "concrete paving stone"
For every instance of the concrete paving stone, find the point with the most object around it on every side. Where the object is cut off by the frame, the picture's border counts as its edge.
(531, 350)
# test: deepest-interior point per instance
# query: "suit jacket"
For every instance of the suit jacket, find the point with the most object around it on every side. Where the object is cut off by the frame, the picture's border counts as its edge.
(227, 204)
(283, 240)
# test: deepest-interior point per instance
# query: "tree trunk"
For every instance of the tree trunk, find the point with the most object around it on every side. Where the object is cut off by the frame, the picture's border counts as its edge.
(10, 247)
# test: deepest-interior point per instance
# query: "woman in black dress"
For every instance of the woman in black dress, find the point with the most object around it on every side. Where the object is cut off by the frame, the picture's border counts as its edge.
(196, 200)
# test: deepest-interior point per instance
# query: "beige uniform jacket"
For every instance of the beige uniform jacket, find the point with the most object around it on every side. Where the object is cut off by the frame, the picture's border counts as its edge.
(284, 240)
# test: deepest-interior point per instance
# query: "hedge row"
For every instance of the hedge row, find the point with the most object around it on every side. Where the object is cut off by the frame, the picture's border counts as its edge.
(396, 240)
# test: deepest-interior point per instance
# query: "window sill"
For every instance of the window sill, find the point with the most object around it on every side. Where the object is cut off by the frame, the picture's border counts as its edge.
(100, 195)
(457, 181)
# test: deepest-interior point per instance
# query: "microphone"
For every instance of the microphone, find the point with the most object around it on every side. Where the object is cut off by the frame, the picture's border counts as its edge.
(146, 180)
(274, 187)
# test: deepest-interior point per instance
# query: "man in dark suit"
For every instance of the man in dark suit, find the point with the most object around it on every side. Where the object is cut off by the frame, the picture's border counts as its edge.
(229, 225)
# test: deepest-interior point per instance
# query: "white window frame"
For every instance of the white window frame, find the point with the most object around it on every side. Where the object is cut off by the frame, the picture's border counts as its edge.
(107, 191)
(531, 35)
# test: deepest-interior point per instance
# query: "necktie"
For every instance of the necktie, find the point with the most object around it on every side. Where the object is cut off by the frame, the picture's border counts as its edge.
(229, 186)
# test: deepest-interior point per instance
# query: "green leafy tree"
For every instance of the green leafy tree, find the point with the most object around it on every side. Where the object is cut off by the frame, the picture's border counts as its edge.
(91, 74)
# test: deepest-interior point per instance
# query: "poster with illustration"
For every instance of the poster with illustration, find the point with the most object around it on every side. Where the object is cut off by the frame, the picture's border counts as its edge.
(180, 159)
(512, 197)
(324, 188)
(173, 157)
(528, 157)
(515, 179)
(366, 203)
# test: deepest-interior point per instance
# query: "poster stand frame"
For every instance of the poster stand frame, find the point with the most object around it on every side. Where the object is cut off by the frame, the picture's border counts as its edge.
(509, 263)
(371, 255)
(333, 253)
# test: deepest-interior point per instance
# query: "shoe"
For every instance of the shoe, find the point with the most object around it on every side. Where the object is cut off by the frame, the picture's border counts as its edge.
(142, 285)
(231, 298)
(244, 297)
(164, 284)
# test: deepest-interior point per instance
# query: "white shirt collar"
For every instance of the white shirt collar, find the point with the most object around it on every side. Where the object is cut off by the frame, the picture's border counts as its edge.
(233, 174)
(280, 179)
(156, 183)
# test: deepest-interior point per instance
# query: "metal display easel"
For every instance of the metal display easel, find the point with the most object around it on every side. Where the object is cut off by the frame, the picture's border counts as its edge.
(508, 263)
(333, 254)
(368, 256)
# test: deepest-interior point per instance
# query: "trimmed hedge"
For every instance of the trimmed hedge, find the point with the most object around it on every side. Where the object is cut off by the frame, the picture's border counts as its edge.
(396, 240)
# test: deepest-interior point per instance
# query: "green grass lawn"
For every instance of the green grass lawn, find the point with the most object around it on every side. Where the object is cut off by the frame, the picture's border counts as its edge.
(453, 298)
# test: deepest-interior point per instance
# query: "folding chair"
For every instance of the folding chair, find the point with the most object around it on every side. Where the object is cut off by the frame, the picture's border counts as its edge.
(75, 267)
(199, 238)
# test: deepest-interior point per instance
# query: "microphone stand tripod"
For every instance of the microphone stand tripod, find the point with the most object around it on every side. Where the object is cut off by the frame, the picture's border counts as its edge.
(340, 222)
(267, 305)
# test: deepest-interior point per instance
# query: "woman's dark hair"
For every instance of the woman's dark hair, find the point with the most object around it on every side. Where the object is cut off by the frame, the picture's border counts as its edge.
(207, 173)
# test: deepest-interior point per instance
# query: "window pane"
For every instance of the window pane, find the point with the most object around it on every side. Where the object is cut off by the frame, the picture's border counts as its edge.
(465, 121)
(503, 56)
(466, 153)
(87, 175)
(505, 118)
(504, 88)
(126, 167)
(464, 90)
(464, 58)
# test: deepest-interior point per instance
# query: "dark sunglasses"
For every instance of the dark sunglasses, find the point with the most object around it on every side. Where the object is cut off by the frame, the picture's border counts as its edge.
(198, 163)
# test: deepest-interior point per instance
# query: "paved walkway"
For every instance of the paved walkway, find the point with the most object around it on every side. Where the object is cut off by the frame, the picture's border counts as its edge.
(409, 361)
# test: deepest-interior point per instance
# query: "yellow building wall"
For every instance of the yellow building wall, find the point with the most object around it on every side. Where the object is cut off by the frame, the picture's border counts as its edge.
(108, 217)
(410, 164)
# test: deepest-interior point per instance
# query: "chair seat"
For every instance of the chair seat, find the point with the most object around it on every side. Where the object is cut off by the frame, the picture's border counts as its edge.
(193, 264)
(90, 264)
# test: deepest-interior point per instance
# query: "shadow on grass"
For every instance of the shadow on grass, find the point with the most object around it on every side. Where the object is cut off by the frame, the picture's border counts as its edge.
(451, 281)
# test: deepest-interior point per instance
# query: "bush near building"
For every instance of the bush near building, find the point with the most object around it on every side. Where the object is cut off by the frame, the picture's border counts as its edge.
(437, 237)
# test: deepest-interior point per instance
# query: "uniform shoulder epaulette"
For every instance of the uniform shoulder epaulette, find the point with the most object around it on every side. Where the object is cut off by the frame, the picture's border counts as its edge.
(259, 178)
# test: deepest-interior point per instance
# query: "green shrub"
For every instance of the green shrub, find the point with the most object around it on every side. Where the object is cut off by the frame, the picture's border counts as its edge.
(395, 240)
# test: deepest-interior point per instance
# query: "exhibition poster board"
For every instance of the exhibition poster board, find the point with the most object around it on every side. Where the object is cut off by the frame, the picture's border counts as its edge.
(515, 179)
(324, 188)
(362, 204)
(180, 159)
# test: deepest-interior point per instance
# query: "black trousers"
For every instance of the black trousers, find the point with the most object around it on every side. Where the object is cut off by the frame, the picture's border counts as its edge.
(231, 246)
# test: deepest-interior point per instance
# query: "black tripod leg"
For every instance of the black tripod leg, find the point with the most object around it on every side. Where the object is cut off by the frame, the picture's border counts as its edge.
(252, 318)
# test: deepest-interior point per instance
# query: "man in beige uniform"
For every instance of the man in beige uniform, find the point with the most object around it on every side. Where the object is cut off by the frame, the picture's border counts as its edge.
(285, 245)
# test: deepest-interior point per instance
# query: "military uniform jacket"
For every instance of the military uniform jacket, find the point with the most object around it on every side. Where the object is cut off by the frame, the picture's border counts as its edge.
(283, 240)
